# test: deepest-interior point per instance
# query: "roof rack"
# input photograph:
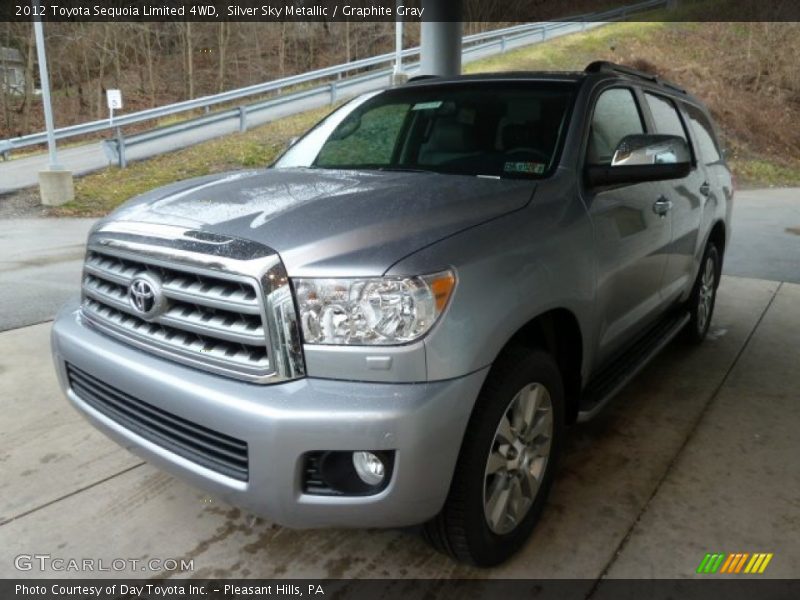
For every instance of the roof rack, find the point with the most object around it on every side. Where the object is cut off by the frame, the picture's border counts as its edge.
(422, 77)
(604, 66)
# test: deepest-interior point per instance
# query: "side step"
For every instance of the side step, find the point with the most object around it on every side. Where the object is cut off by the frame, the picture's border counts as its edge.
(605, 385)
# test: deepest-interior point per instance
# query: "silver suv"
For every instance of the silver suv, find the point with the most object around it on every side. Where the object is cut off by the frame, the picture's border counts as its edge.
(394, 324)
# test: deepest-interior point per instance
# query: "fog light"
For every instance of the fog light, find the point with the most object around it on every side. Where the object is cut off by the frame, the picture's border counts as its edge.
(369, 467)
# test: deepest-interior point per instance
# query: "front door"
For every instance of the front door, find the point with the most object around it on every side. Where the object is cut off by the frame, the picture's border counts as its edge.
(631, 238)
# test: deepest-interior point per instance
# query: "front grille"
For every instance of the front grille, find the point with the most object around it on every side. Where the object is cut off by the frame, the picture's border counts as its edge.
(211, 449)
(210, 320)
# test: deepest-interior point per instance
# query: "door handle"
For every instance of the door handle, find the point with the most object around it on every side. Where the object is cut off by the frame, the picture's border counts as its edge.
(662, 206)
(705, 189)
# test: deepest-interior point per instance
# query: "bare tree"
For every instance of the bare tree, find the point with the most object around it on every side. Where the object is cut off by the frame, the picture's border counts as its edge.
(223, 35)
(188, 48)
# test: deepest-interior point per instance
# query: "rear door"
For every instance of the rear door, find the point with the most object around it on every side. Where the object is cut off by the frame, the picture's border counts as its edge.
(631, 240)
(684, 196)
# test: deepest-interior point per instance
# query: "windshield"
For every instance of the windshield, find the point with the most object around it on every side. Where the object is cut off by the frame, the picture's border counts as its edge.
(498, 129)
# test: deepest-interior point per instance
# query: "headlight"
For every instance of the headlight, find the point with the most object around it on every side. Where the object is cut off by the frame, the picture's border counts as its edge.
(371, 311)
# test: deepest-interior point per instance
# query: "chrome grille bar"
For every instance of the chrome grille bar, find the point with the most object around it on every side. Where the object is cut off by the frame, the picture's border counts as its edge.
(232, 327)
(177, 285)
(212, 320)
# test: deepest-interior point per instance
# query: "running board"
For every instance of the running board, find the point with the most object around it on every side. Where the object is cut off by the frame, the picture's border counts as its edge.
(605, 385)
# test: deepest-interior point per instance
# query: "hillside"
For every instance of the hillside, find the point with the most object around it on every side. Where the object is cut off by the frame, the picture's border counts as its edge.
(752, 88)
(746, 72)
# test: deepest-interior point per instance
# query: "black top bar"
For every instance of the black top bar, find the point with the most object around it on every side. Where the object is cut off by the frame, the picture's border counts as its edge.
(604, 66)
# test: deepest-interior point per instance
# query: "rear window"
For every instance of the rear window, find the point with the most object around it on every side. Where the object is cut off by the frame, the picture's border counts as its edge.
(502, 129)
(665, 115)
(703, 134)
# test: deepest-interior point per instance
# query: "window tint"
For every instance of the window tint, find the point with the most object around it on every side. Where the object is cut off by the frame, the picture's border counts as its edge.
(504, 130)
(616, 115)
(372, 139)
(703, 133)
(665, 115)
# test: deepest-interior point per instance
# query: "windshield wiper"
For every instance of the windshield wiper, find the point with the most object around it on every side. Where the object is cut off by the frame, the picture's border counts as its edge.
(406, 170)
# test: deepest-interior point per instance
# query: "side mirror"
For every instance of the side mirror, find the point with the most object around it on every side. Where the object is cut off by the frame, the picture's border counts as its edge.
(640, 158)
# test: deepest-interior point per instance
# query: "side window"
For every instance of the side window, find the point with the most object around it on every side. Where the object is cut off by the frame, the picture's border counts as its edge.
(665, 116)
(616, 115)
(703, 134)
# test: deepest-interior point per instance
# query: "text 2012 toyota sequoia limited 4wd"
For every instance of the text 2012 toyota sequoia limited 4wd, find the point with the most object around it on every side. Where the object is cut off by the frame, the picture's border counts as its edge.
(394, 324)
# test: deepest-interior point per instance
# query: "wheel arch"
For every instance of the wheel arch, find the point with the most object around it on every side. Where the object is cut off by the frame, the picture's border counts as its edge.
(558, 332)
(718, 236)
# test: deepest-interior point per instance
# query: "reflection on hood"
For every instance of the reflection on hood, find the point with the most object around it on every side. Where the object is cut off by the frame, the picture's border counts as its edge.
(328, 221)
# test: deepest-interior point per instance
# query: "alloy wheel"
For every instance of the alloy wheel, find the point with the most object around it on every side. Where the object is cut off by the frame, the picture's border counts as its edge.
(706, 294)
(518, 458)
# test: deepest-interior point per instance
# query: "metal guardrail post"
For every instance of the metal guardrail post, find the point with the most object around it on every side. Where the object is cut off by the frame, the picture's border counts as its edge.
(123, 162)
(503, 44)
(242, 119)
(333, 92)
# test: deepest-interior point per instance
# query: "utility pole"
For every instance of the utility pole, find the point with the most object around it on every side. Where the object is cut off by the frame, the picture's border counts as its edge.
(55, 184)
(398, 76)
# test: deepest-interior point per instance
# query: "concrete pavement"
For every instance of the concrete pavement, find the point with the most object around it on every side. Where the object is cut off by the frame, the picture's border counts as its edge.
(736, 484)
(766, 235)
(698, 454)
(40, 267)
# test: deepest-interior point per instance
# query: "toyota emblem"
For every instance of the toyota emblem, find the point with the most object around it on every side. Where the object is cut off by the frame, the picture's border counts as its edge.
(144, 295)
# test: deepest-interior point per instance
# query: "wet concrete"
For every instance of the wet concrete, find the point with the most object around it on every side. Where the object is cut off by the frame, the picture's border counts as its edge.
(632, 498)
(40, 267)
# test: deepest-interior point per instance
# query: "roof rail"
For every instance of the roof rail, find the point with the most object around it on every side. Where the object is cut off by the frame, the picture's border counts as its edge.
(422, 77)
(604, 66)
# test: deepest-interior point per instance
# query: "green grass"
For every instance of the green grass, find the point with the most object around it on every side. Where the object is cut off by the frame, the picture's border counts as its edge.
(762, 173)
(98, 193)
(569, 53)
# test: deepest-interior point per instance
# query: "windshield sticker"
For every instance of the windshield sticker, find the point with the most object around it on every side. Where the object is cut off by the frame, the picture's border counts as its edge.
(427, 105)
(536, 168)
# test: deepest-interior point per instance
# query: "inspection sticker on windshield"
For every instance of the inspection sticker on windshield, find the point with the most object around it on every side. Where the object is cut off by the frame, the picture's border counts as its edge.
(427, 105)
(524, 167)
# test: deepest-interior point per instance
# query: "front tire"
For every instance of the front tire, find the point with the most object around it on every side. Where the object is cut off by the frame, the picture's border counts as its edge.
(704, 296)
(508, 457)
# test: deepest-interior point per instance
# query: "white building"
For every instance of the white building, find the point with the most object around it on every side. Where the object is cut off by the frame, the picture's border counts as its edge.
(12, 71)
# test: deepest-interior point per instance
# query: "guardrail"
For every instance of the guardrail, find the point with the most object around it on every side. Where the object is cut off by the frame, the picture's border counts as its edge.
(335, 82)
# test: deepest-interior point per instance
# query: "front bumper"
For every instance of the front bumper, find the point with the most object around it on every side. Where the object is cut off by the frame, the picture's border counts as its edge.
(423, 423)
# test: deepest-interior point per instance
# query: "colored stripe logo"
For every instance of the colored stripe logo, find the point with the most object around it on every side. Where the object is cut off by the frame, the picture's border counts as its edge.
(734, 563)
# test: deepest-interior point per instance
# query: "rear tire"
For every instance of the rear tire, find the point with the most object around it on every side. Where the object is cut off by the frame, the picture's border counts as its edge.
(704, 296)
(509, 454)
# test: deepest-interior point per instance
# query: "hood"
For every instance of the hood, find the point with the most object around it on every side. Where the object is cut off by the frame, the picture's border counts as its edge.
(328, 222)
